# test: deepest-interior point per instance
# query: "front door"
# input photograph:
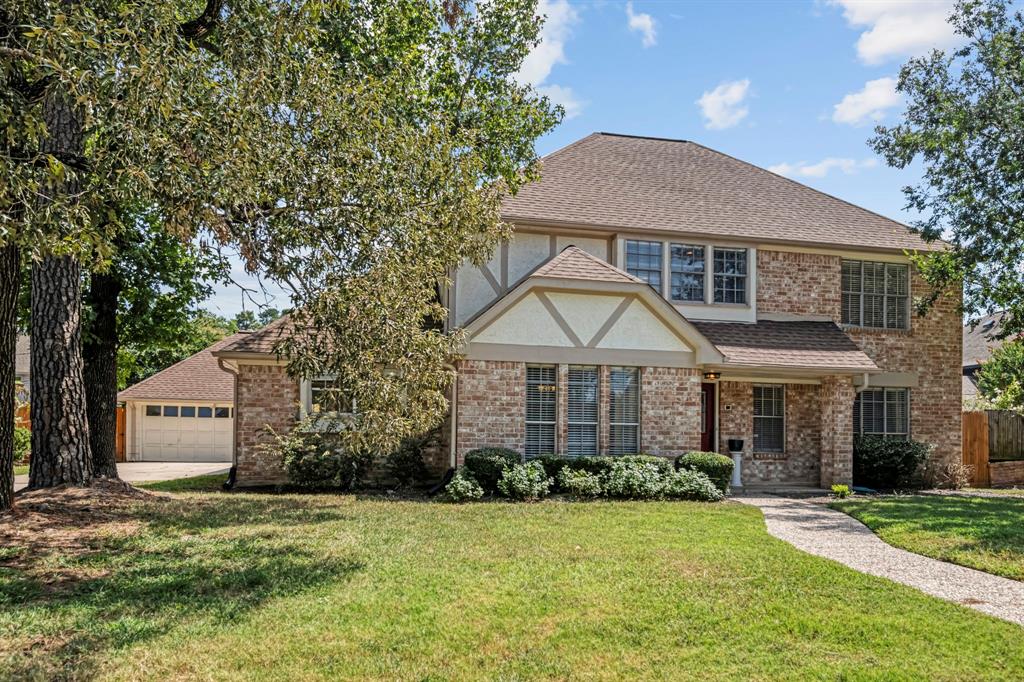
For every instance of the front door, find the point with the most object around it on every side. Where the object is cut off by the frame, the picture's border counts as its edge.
(707, 417)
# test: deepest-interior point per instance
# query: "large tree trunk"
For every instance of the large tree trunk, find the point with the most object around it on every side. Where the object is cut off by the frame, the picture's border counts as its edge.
(99, 352)
(60, 428)
(10, 275)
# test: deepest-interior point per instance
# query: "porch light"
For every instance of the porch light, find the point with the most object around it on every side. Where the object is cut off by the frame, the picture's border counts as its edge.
(712, 376)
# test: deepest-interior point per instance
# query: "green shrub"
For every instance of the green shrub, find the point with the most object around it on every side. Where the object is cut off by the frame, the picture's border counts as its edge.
(22, 444)
(664, 464)
(841, 491)
(713, 465)
(579, 484)
(687, 484)
(317, 460)
(524, 482)
(463, 487)
(406, 464)
(553, 464)
(487, 465)
(599, 466)
(633, 480)
(888, 463)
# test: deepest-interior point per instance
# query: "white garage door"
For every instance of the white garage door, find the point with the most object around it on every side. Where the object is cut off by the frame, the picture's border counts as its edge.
(186, 433)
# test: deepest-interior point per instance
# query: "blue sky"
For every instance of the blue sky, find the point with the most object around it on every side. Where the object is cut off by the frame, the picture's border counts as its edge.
(794, 86)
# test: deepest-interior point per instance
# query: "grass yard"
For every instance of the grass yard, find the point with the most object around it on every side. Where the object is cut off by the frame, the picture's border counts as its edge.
(986, 533)
(210, 585)
(21, 470)
(1014, 492)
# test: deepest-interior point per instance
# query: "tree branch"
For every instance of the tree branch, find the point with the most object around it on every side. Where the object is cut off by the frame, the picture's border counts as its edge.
(201, 26)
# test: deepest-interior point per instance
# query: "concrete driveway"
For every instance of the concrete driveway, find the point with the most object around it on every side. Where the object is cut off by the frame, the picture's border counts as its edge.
(137, 472)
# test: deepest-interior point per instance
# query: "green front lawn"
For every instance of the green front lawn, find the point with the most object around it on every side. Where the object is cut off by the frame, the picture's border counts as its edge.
(1014, 492)
(214, 585)
(986, 533)
(21, 470)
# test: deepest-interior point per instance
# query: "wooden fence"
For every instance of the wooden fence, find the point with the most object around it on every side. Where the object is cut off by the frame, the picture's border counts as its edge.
(993, 445)
(23, 417)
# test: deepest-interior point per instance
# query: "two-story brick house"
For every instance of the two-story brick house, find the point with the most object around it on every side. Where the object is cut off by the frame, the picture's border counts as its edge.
(658, 296)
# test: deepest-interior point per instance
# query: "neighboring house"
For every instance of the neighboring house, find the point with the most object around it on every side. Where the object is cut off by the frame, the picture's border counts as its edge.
(184, 413)
(979, 345)
(23, 364)
(658, 296)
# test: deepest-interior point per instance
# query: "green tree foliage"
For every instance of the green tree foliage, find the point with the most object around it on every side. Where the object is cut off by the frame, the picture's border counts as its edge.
(1001, 377)
(965, 123)
(196, 329)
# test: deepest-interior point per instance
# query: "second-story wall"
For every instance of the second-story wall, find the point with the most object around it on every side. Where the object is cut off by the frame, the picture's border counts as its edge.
(803, 284)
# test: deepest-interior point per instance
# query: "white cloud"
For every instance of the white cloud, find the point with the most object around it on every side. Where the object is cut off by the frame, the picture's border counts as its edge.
(557, 29)
(560, 94)
(803, 169)
(898, 28)
(723, 107)
(870, 104)
(642, 23)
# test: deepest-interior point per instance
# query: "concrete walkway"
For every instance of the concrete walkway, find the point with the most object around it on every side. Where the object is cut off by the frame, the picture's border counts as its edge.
(828, 533)
(138, 472)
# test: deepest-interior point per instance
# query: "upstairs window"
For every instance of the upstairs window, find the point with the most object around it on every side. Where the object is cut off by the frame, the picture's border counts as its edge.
(643, 260)
(769, 418)
(882, 412)
(623, 410)
(875, 294)
(541, 409)
(582, 411)
(730, 276)
(686, 264)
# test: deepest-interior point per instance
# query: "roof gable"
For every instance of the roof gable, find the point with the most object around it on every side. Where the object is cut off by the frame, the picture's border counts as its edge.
(621, 182)
(197, 377)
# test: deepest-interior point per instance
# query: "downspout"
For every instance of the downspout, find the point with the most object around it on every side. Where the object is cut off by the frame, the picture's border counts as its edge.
(866, 384)
(453, 414)
(230, 483)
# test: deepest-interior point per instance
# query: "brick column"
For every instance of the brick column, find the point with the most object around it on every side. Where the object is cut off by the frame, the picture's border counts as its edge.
(837, 397)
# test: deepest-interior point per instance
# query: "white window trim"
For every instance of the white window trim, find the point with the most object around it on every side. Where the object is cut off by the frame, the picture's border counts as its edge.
(639, 410)
(755, 417)
(322, 421)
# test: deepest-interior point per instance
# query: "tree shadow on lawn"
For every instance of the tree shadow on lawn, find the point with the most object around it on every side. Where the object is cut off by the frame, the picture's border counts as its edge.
(988, 524)
(181, 564)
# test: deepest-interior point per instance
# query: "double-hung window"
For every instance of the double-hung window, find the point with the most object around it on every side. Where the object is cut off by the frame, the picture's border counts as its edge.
(327, 397)
(686, 266)
(541, 409)
(875, 294)
(643, 260)
(623, 410)
(582, 392)
(730, 275)
(882, 412)
(769, 418)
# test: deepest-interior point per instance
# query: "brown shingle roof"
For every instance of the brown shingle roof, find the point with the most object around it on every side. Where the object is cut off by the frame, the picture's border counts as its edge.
(575, 263)
(195, 378)
(622, 182)
(820, 345)
(260, 341)
(979, 342)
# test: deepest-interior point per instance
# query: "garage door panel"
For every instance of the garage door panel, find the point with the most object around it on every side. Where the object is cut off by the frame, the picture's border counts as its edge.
(186, 438)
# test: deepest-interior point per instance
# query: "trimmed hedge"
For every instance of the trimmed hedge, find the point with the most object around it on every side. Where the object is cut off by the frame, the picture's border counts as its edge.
(889, 463)
(488, 464)
(713, 465)
(525, 482)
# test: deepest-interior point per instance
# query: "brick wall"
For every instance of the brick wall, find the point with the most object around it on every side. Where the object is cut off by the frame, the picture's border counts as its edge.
(800, 463)
(492, 406)
(266, 396)
(837, 396)
(1006, 474)
(799, 283)
(669, 410)
(932, 348)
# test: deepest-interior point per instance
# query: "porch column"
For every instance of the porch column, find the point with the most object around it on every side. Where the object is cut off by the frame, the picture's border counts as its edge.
(837, 396)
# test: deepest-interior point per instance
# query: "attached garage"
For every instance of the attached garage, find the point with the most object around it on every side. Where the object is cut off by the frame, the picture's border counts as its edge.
(186, 413)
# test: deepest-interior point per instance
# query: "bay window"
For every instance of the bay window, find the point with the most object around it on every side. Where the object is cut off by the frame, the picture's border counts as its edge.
(623, 410)
(582, 394)
(541, 409)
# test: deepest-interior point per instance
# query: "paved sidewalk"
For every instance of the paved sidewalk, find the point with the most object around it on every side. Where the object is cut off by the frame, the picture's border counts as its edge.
(137, 472)
(828, 533)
